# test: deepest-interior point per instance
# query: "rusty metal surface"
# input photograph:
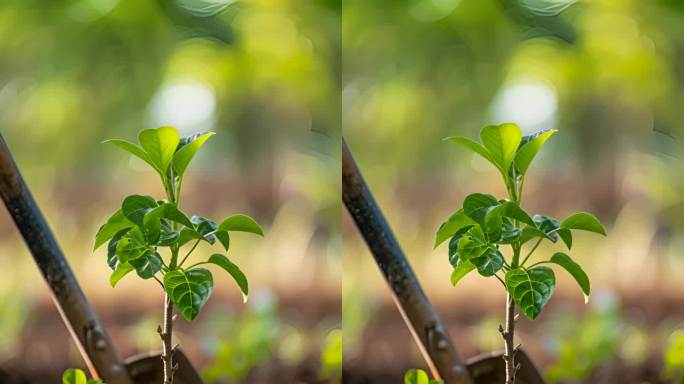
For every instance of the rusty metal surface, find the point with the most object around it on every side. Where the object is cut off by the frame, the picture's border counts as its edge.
(148, 369)
(441, 355)
(92, 340)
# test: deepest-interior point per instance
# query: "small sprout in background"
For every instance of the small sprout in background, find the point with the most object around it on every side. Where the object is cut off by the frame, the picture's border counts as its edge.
(674, 357)
(418, 376)
(484, 225)
(144, 226)
(331, 358)
(77, 376)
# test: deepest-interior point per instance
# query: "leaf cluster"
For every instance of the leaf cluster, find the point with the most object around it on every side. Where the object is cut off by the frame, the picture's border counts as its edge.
(143, 226)
(77, 376)
(479, 230)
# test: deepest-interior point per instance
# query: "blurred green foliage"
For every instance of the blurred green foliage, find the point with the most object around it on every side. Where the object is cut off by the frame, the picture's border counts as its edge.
(674, 357)
(331, 358)
(239, 343)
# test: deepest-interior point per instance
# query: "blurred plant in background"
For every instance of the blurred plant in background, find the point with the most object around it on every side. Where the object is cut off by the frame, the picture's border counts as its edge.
(674, 357)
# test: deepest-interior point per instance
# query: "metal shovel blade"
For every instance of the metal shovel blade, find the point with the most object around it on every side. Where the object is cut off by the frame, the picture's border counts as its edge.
(147, 368)
(490, 368)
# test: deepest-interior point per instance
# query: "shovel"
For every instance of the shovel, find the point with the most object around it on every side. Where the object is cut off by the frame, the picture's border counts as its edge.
(101, 357)
(437, 348)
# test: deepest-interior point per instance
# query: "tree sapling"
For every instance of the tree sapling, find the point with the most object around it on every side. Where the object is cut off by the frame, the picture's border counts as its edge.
(143, 226)
(478, 231)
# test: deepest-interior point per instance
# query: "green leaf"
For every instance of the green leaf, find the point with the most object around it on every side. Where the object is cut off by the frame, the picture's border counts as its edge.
(509, 233)
(152, 224)
(135, 207)
(239, 277)
(114, 224)
(583, 221)
(455, 223)
(472, 244)
(476, 206)
(223, 238)
(489, 262)
(548, 225)
(242, 223)
(112, 259)
(187, 149)
(462, 269)
(74, 376)
(122, 270)
(511, 210)
(160, 145)
(205, 227)
(189, 290)
(131, 246)
(171, 212)
(453, 246)
(575, 270)
(473, 146)
(527, 152)
(530, 288)
(147, 265)
(566, 235)
(416, 376)
(187, 234)
(502, 142)
(133, 149)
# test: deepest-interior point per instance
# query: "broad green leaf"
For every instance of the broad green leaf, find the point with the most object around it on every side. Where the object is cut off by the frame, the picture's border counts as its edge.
(167, 236)
(548, 225)
(462, 269)
(489, 262)
(152, 224)
(453, 246)
(476, 205)
(135, 207)
(455, 223)
(583, 221)
(502, 142)
(242, 223)
(188, 147)
(171, 212)
(527, 152)
(529, 233)
(114, 224)
(509, 233)
(468, 247)
(189, 290)
(234, 271)
(511, 210)
(131, 246)
(133, 149)
(160, 145)
(416, 376)
(205, 227)
(112, 259)
(530, 288)
(575, 270)
(187, 234)
(122, 270)
(473, 146)
(566, 235)
(147, 265)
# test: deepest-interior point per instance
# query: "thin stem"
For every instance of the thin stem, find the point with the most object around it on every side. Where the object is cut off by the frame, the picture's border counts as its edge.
(532, 251)
(196, 264)
(191, 250)
(165, 334)
(508, 333)
(501, 280)
(159, 281)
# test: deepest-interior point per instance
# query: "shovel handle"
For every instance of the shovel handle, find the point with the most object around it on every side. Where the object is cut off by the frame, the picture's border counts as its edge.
(440, 354)
(101, 357)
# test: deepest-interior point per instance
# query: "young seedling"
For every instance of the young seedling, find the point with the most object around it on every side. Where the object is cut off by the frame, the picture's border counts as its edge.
(478, 232)
(418, 376)
(144, 226)
(77, 376)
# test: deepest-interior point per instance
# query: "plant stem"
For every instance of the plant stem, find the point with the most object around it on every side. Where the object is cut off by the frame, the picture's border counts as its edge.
(507, 334)
(165, 334)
